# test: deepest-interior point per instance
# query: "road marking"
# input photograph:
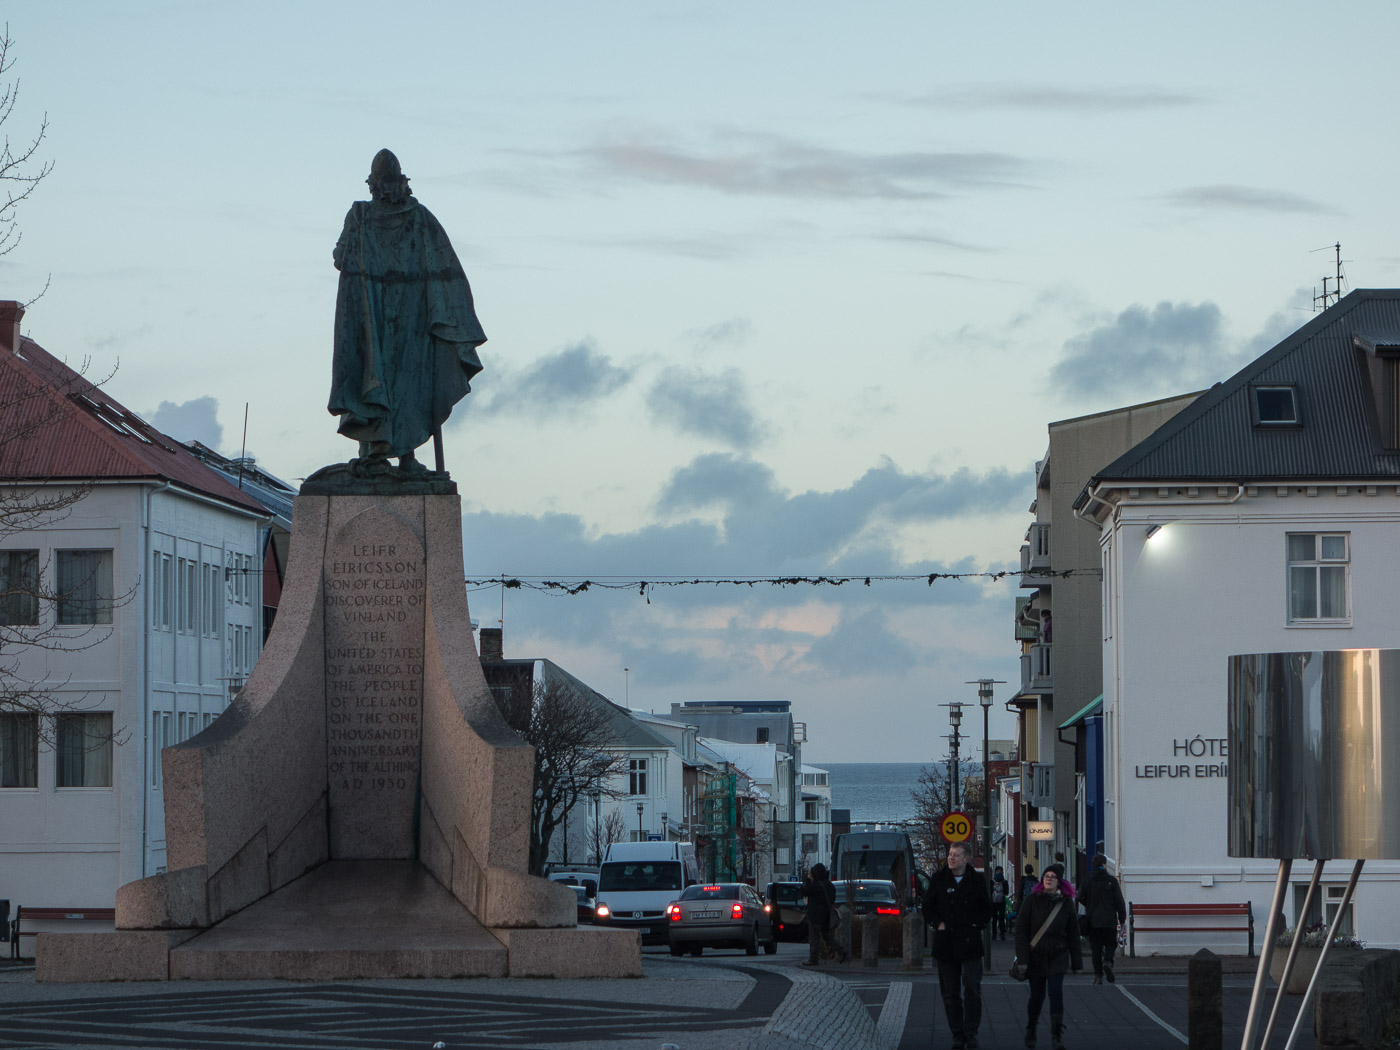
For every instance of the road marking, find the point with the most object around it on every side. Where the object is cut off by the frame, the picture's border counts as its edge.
(890, 1028)
(1143, 1007)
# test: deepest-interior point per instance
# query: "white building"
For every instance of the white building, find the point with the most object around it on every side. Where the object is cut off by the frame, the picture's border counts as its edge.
(1262, 518)
(132, 615)
(814, 819)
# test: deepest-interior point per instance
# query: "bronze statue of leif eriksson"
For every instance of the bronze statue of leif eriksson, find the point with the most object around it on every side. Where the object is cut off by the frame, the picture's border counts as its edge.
(406, 331)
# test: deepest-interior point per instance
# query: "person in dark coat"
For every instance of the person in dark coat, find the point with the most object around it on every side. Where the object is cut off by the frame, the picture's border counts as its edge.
(1000, 891)
(1028, 884)
(1103, 904)
(1054, 954)
(821, 915)
(958, 907)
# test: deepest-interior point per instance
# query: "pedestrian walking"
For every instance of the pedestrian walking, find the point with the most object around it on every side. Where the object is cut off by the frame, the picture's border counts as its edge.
(1028, 884)
(1104, 906)
(958, 907)
(1000, 889)
(822, 915)
(1047, 941)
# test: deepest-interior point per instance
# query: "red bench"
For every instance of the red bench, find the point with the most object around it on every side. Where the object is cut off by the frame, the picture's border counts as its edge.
(36, 914)
(1245, 912)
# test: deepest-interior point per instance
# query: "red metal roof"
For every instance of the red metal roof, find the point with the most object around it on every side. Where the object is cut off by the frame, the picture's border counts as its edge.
(55, 424)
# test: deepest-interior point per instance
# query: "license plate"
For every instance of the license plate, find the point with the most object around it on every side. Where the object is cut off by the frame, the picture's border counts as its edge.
(644, 930)
(704, 915)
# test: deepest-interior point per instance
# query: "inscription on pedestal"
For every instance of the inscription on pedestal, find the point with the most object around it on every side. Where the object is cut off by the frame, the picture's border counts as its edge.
(375, 588)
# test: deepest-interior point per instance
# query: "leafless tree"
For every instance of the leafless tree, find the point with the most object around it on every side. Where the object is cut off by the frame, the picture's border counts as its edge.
(612, 828)
(569, 732)
(21, 168)
(933, 799)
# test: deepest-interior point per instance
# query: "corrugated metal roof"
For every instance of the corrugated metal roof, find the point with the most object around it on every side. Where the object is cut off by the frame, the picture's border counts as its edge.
(1216, 438)
(58, 425)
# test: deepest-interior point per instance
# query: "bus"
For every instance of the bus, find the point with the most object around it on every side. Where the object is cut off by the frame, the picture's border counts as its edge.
(876, 855)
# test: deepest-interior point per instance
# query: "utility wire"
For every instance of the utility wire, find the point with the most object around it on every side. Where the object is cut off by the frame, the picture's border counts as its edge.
(616, 583)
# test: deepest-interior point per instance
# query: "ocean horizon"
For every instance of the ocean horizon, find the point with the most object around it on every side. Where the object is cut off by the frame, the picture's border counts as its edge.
(874, 792)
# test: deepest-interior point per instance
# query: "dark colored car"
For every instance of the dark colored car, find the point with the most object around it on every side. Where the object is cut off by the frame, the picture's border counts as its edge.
(721, 915)
(587, 906)
(789, 910)
(865, 896)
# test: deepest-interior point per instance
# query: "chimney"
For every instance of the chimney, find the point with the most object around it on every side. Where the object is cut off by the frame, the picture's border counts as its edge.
(11, 313)
(491, 645)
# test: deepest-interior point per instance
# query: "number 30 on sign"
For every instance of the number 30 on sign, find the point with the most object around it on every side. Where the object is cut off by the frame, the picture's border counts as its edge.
(956, 827)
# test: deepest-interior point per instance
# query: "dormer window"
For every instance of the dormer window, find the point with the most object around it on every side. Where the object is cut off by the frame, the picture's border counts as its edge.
(1276, 406)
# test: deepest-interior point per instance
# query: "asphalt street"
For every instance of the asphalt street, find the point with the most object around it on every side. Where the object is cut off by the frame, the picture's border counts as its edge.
(721, 1001)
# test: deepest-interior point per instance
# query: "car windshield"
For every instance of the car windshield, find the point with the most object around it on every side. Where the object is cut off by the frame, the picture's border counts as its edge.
(785, 892)
(865, 891)
(710, 893)
(639, 876)
(581, 894)
(868, 863)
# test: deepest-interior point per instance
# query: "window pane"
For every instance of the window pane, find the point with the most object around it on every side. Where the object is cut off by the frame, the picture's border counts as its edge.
(19, 751)
(19, 587)
(84, 587)
(1302, 547)
(1302, 593)
(1334, 548)
(84, 750)
(1333, 592)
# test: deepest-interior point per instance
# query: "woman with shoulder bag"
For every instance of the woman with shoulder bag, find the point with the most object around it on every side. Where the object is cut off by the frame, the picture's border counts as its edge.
(1047, 942)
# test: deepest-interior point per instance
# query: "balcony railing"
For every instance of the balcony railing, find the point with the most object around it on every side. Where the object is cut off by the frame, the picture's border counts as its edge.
(1038, 539)
(1038, 669)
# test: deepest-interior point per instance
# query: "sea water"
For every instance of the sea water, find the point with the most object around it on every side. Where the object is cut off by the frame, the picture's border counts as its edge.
(874, 792)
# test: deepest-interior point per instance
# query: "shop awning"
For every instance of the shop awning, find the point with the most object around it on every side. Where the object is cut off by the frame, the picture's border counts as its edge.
(1093, 707)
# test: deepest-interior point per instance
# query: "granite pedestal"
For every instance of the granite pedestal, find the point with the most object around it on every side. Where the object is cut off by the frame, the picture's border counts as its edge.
(361, 809)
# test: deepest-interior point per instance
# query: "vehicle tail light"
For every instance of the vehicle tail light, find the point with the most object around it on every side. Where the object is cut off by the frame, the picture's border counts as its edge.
(603, 911)
(736, 912)
(711, 889)
(674, 911)
(768, 908)
(886, 911)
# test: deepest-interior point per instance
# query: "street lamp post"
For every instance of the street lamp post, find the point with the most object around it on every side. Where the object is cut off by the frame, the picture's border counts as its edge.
(955, 718)
(641, 837)
(984, 697)
(597, 796)
(665, 831)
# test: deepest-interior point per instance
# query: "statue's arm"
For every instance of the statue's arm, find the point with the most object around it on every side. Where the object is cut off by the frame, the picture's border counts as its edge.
(342, 246)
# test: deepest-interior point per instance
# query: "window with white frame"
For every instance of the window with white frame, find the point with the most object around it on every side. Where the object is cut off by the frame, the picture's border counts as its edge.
(160, 737)
(19, 750)
(637, 776)
(84, 587)
(1319, 572)
(212, 612)
(19, 588)
(83, 749)
(166, 598)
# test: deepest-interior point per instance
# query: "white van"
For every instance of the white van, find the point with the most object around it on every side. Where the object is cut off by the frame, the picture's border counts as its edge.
(638, 880)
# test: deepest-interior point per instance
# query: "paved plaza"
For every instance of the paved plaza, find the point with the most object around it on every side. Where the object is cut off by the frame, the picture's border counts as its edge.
(722, 1001)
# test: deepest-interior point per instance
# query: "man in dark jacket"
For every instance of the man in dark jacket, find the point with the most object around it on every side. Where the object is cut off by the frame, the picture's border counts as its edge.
(821, 915)
(1103, 904)
(958, 908)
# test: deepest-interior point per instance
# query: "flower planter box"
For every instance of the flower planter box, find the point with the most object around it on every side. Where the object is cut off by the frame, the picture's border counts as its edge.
(1303, 967)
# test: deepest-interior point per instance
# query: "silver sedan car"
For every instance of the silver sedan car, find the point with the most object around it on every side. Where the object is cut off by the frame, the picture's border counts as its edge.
(721, 915)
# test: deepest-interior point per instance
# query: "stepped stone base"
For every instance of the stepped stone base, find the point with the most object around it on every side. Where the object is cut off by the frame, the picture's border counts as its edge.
(343, 921)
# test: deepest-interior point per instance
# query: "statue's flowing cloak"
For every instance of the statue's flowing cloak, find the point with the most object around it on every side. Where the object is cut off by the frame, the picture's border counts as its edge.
(406, 331)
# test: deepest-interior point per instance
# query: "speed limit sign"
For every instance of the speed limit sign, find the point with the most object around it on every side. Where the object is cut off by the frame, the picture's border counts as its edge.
(956, 827)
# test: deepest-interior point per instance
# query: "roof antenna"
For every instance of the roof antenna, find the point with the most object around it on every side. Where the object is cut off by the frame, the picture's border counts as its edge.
(1327, 298)
(243, 453)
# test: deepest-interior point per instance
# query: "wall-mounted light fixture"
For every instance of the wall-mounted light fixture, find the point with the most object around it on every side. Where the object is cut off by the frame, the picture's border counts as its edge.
(1152, 530)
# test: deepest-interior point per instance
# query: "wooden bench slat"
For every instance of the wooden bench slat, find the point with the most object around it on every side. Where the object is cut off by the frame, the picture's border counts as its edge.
(1189, 911)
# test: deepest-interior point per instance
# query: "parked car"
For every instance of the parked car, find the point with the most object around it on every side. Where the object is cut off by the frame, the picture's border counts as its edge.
(721, 915)
(789, 910)
(866, 896)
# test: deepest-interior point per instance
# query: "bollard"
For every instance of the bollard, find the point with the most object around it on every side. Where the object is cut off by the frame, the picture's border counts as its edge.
(843, 929)
(1203, 1001)
(870, 939)
(913, 940)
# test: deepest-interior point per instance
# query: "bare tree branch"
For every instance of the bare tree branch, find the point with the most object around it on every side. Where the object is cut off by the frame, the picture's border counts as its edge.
(21, 169)
(570, 733)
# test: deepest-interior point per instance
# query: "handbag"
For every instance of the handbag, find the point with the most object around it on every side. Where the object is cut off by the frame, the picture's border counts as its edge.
(1018, 968)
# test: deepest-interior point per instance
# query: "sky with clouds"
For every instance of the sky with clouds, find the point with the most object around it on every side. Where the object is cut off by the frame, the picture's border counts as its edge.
(791, 291)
